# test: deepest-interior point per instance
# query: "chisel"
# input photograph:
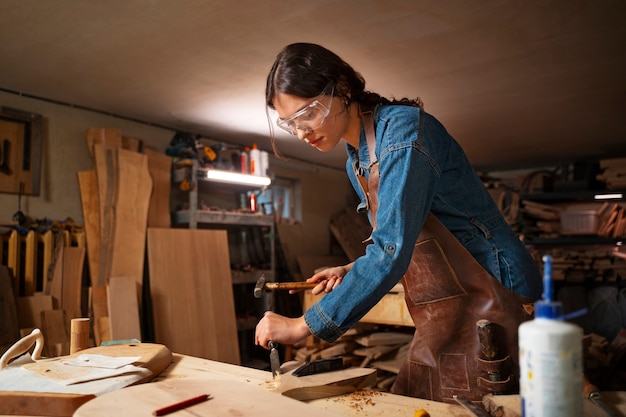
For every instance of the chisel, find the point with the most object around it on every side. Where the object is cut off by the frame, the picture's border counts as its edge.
(274, 359)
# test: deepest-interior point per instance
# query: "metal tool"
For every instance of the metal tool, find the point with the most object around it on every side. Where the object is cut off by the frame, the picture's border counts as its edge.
(488, 347)
(470, 406)
(262, 285)
(319, 366)
(592, 393)
(274, 359)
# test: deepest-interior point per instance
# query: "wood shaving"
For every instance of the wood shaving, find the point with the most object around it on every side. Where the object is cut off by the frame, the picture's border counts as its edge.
(360, 399)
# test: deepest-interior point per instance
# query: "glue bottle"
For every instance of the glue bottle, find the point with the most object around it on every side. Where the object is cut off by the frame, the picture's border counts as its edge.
(550, 356)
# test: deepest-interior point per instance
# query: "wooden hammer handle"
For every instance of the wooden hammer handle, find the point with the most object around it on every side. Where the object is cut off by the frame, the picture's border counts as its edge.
(289, 285)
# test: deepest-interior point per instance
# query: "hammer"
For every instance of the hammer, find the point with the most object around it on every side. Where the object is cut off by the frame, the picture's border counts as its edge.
(262, 285)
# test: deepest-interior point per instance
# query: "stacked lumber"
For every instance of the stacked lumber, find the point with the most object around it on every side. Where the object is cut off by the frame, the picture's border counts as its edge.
(612, 221)
(613, 174)
(545, 220)
(365, 345)
(586, 264)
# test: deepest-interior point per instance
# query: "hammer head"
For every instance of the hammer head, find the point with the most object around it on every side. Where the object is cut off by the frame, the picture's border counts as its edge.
(259, 288)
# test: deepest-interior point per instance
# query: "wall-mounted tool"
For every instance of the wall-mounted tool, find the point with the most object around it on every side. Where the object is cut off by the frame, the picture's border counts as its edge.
(262, 285)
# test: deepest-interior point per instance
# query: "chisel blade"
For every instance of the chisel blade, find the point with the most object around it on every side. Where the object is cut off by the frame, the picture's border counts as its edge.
(274, 359)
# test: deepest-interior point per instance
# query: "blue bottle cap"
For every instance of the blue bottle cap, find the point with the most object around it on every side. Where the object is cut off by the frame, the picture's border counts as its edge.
(548, 309)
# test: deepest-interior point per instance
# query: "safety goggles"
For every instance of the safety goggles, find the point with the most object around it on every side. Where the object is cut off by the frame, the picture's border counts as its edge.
(310, 117)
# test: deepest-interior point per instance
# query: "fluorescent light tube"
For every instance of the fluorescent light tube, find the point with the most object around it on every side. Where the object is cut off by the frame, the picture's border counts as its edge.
(237, 178)
(614, 196)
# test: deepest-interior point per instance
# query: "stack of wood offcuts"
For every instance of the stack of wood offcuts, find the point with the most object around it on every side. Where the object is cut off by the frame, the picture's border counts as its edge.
(364, 345)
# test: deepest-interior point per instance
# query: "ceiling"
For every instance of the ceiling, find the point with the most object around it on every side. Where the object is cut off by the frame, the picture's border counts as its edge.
(518, 83)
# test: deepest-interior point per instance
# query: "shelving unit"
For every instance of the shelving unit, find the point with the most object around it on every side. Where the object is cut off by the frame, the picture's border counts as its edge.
(251, 239)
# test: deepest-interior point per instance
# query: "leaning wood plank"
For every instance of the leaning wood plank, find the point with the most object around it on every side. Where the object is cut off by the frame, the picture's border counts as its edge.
(192, 294)
(123, 309)
(131, 216)
(73, 268)
(100, 314)
(111, 137)
(160, 166)
(88, 186)
(54, 327)
(9, 329)
(106, 162)
(54, 287)
(30, 308)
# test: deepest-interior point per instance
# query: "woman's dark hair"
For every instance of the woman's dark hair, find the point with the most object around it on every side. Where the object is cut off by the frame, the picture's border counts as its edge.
(305, 69)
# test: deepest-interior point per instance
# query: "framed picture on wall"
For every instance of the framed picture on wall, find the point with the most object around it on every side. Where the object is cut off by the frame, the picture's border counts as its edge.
(20, 152)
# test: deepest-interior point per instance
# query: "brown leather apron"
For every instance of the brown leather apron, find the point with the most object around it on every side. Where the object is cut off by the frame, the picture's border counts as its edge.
(447, 292)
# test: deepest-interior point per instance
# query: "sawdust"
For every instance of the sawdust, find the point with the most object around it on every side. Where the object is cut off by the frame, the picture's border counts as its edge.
(272, 384)
(360, 399)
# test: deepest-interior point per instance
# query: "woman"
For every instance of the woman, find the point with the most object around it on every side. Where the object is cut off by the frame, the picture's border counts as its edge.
(435, 228)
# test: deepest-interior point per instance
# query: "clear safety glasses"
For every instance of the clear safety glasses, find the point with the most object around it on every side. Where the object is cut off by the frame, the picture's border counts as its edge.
(310, 117)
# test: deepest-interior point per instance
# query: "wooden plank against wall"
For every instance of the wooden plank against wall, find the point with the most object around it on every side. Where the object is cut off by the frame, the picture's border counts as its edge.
(192, 294)
(123, 309)
(73, 264)
(160, 166)
(88, 185)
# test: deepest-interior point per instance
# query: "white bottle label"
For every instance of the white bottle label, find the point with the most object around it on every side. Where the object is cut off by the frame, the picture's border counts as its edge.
(550, 371)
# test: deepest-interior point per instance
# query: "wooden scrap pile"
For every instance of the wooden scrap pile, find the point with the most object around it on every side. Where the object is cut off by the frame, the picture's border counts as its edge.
(365, 345)
(614, 173)
(612, 220)
(586, 264)
(542, 220)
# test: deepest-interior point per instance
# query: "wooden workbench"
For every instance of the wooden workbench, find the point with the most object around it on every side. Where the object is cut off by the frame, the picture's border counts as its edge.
(370, 404)
(364, 403)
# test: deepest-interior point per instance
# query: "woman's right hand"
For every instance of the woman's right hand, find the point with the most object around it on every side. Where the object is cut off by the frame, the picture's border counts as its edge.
(329, 278)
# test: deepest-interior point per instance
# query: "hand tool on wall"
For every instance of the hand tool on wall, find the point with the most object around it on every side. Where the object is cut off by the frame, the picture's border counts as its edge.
(592, 393)
(262, 285)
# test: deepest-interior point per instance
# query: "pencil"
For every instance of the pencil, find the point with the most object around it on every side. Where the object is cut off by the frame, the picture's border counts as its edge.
(180, 405)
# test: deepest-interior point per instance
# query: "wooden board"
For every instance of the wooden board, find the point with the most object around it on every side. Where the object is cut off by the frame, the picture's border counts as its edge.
(88, 185)
(131, 216)
(327, 384)
(72, 280)
(9, 329)
(111, 137)
(229, 398)
(33, 402)
(30, 309)
(192, 294)
(160, 166)
(123, 309)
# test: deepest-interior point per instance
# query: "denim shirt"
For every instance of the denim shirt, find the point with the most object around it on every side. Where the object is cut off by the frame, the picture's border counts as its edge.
(422, 169)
